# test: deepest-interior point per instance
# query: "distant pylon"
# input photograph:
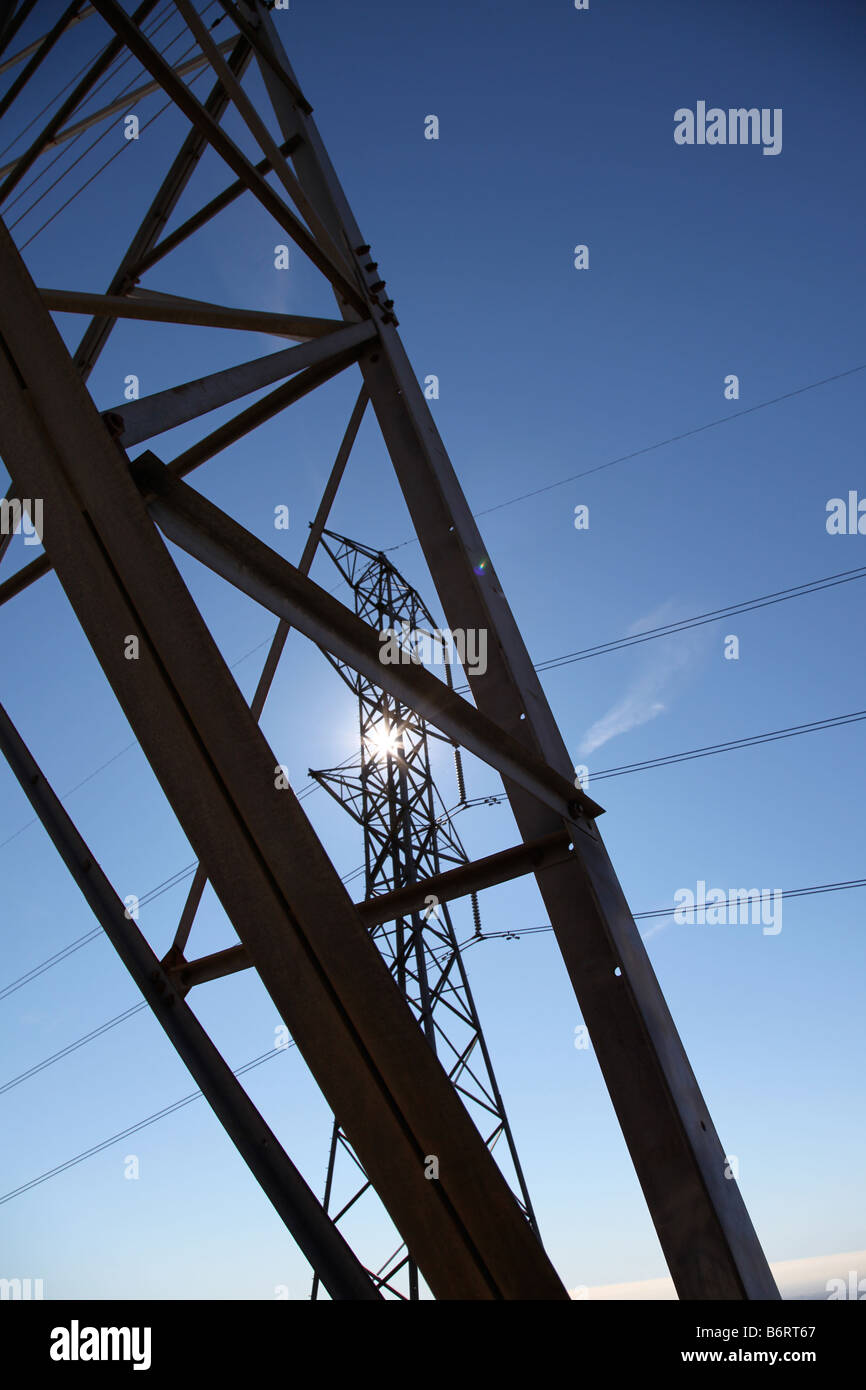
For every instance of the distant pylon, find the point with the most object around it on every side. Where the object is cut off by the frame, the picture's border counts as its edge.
(409, 837)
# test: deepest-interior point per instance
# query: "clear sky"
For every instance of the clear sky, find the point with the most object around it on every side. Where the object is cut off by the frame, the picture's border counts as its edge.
(556, 130)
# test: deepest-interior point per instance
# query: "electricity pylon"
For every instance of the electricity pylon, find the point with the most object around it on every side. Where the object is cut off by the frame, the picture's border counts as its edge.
(409, 838)
(105, 519)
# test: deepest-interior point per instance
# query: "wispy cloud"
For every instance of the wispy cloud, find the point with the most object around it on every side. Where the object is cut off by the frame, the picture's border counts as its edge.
(649, 694)
(638, 707)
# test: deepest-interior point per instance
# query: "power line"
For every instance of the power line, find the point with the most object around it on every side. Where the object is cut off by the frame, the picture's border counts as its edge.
(816, 726)
(116, 155)
(837, 721)
(73, 1046)
(784, 893)
(134, 1129)
(272, 1052)
(114, 70)
(715, 615)
(551, 663)
(105, 133)
(752, 741)
(649, 448)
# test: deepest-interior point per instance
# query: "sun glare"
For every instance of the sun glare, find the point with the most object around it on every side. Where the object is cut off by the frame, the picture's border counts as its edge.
(384, 742)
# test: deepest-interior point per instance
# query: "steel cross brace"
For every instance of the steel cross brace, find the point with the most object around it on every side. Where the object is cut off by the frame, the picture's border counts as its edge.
(468, 878)
(208, 534)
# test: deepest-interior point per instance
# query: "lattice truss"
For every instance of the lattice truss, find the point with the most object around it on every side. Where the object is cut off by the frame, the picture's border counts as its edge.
(409, 837)
(108, 515)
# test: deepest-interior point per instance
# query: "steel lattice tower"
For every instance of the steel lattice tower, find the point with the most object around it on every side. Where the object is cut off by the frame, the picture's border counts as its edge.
(108, 514)
(409, 838)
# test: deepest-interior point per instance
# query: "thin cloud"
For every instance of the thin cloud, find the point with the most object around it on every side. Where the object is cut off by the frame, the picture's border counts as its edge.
(649, 694)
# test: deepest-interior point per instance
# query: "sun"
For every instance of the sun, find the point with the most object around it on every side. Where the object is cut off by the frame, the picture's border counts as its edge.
(384, 741)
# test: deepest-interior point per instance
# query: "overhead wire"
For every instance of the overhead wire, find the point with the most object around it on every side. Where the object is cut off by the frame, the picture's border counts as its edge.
(649, 448)
(272, 1052)
(551, 663)
(92, 178)
(784, 893)
(113, 71)
(492, 799)
(135, 1128)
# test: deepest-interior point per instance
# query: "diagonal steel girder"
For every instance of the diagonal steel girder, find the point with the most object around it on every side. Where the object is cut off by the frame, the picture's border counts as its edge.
(165, 201)
(702, 1223)
(311, 1227)
(123, 103)
(164, 410)
(268, 868)
(130, 34)
(208, 534)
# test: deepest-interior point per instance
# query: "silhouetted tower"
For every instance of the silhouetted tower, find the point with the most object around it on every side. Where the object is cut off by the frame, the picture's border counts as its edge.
(409, 837)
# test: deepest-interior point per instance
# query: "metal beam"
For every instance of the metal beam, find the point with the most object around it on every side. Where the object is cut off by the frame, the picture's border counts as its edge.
(72, 102)
(699, 1215)
(165, 410)
(488, 872)
(262, 135)
(159, 308)
(32, 47)
(179, 174)
(27, 575)
(278, 642)
(315, 1234)
(40, 49)
(257, 414)
(13, 20)
(219, 542)
(268, 868)
(123, 103)
(220, 438)
(229, 151)
(199, 219)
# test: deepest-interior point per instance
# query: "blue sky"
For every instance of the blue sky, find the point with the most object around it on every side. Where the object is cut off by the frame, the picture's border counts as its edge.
(556, 129)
